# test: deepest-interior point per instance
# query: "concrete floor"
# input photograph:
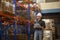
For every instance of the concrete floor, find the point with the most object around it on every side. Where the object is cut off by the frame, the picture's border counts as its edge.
(57, 39)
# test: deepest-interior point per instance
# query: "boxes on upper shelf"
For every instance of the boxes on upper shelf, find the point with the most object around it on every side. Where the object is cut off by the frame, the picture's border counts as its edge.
(7, 5)
(0, 4)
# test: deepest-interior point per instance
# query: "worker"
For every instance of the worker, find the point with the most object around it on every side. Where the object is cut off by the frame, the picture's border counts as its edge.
(39, 26)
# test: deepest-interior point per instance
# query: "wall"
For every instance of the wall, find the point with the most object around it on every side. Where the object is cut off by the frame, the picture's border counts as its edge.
(41, 1)
(52, 5)
(51, 0)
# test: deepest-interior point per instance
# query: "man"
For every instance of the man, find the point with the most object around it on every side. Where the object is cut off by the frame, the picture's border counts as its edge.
(38, 26)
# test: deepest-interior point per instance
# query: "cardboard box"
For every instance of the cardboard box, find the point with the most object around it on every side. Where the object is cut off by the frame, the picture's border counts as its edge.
(7, 6)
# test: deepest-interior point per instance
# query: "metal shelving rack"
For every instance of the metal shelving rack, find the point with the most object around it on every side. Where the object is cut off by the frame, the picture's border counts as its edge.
(9, 15)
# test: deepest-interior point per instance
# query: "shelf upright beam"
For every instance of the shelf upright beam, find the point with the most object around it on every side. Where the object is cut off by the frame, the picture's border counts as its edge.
(0, 29)
(14, 8)
(14, 25)
(28, 22)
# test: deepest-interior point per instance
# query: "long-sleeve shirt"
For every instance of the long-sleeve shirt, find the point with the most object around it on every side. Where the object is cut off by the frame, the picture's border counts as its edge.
(39, 25)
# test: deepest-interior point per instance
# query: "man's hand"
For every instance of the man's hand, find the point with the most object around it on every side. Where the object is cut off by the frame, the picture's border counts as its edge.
(40, 28)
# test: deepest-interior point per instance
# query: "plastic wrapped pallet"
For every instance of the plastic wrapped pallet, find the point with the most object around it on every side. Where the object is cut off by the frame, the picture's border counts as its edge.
(48, 32)
(47, 35)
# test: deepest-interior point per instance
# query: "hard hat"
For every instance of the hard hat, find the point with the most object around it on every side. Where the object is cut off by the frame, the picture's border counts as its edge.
(39, 14)
(20, 1)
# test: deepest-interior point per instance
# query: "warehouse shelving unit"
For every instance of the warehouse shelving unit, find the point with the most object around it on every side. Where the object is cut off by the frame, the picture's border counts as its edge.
(9, 17)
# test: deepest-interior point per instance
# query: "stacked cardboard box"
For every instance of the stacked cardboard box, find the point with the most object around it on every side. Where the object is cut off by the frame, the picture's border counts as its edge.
(0, 4)
(7, 6)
